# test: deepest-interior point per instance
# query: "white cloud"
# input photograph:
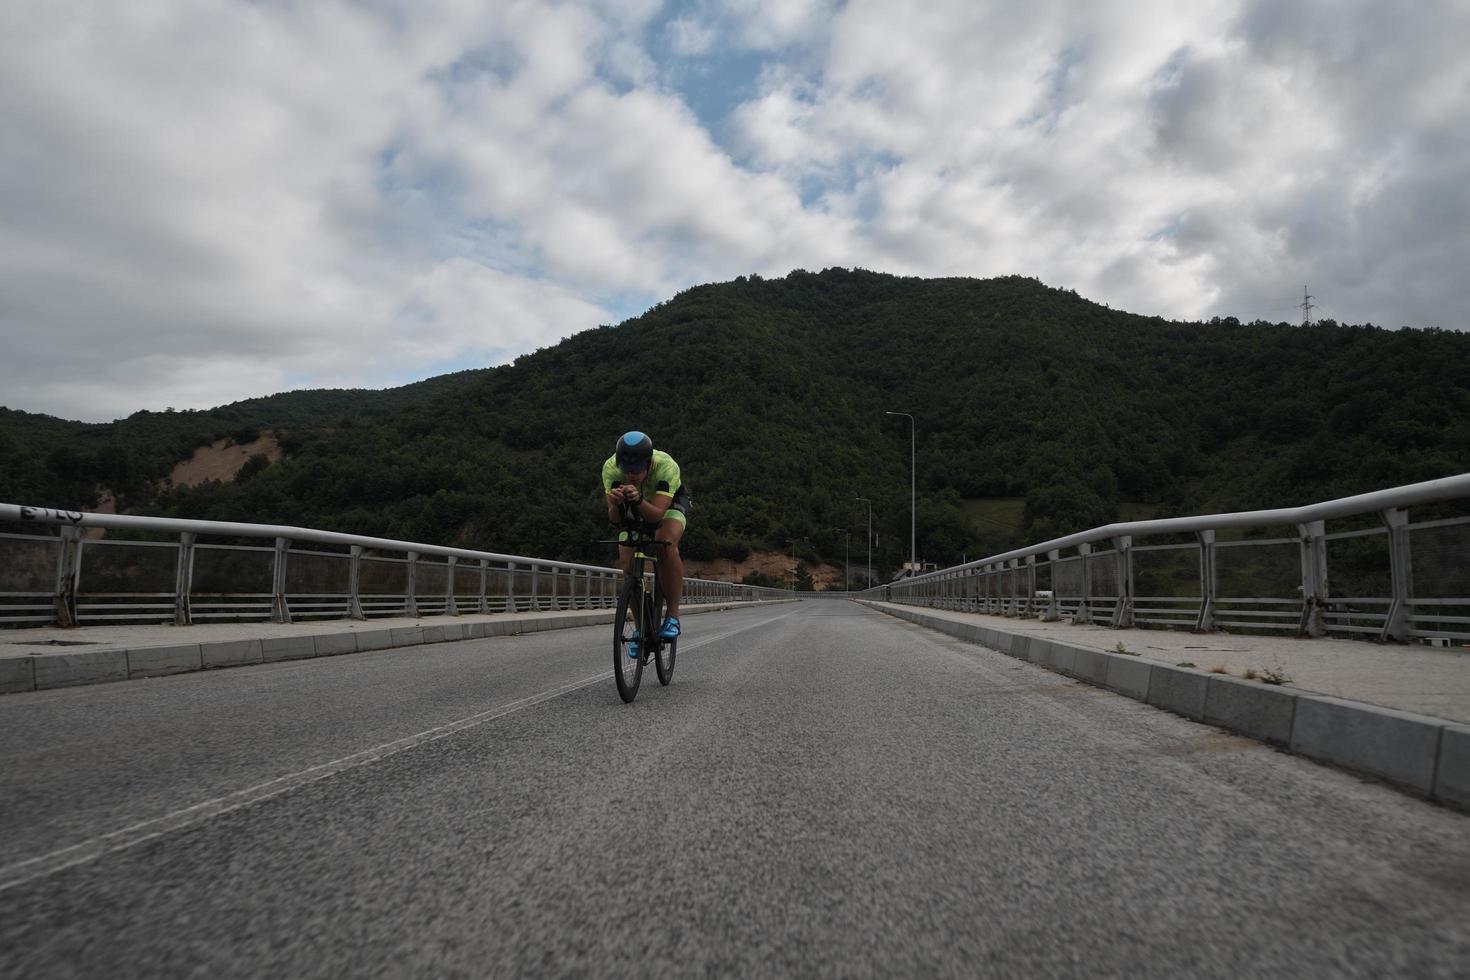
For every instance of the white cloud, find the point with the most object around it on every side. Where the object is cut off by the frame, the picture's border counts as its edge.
(201, 201)
(690, 37)
(777, 23)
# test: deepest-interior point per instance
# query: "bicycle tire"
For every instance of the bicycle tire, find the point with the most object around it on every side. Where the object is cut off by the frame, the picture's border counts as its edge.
(664, 661)
(664, 651)
(627, 671)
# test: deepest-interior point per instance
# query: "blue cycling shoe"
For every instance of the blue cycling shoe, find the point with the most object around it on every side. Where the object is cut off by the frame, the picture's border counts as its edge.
(670, 630)
(633, 643)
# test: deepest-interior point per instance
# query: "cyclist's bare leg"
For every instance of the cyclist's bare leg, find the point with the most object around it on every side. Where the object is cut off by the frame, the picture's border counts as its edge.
(671, 563)
(625, 559)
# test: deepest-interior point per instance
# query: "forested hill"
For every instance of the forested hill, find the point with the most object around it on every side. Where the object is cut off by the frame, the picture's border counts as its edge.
(771, 394)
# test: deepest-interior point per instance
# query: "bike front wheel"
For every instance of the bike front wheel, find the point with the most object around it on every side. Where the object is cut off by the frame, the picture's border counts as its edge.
(664, 661)
(664, 651)
(628, 671)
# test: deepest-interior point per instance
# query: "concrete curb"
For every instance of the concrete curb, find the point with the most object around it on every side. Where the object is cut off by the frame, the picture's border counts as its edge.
(1427, 756)
(42, 672)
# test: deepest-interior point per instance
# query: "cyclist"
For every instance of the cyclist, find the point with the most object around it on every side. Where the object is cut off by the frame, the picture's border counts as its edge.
(646, 482)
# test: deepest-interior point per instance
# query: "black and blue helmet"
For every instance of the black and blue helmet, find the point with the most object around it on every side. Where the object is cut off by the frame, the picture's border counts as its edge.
(634, 451)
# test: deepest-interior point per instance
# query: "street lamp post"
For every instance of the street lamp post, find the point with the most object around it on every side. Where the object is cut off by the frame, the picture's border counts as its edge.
(869, 580)
(913, 496)
(846, 560)
(792, 542)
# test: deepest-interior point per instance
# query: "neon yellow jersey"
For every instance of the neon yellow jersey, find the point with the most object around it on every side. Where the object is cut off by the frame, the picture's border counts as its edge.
(662, 476)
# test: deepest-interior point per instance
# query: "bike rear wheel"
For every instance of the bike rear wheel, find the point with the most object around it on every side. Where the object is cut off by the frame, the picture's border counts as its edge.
(628, 671)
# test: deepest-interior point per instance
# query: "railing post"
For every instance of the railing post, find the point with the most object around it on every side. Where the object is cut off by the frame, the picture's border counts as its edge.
(1030, 586)
(1084, 611)
(1207, 582)
(510, 586)
(354, 580)
(68, 572)
(1396, 624)
(280, 608)
(451, 608)
(1314, 578)
(1053, 606)
(1123, 612)
(411, 601)
(184, 579)
(484, 604)
(535, 587)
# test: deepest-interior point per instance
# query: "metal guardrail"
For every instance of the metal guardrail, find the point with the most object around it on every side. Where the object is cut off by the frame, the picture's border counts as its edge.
(1395, 580)
(69, 579)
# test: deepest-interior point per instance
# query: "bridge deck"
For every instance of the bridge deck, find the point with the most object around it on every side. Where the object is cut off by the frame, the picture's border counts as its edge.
(824, 791)
(1427, 680)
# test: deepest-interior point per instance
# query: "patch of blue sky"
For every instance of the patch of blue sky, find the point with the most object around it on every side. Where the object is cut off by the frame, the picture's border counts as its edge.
(490, 357)
(1173, 67)
(418, 182)
(711, 83)
(1168, 231)
(423, 213)
(626, 305)
(497, 59)
(498, 243)
(1060, 90)
(852, 181)
(295, 380)
(398, 377)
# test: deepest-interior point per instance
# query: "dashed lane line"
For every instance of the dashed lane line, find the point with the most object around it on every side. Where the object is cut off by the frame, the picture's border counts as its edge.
(146, 830)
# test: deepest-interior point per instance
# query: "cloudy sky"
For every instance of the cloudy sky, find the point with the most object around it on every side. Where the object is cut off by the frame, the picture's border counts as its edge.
(209, 200)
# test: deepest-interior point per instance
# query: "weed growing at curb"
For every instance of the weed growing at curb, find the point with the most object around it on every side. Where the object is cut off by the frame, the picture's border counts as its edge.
(1120, 648)
(1250, 674)
(1275, 677)
(1185, 663)
(1219, 669)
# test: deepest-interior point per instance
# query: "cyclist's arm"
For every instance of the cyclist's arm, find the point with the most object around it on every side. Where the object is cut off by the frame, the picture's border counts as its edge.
(653, 510)
(615, 499)
(666, 473)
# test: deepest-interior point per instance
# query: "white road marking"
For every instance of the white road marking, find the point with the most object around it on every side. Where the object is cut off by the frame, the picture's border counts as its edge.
(119, 840)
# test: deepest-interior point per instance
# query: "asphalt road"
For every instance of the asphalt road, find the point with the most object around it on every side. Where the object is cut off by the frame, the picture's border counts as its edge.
(823, 791)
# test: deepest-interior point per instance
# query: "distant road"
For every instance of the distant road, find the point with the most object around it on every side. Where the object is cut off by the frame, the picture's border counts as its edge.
(824, 791)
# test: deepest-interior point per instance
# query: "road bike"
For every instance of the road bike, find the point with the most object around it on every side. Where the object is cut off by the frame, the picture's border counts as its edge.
(640, 615)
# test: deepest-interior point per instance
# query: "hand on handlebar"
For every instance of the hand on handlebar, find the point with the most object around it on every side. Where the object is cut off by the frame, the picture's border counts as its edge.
(624, 495)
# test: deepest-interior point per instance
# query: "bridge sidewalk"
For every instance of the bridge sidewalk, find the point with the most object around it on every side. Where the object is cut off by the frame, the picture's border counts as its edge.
(1410, 677)
(1398, 712)
(45, 657)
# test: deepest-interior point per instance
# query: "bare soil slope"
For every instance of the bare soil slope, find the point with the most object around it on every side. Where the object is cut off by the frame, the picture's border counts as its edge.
(221, 461)
(773, 563)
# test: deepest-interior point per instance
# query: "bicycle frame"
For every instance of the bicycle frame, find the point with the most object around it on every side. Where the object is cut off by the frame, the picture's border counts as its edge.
(642, 608)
